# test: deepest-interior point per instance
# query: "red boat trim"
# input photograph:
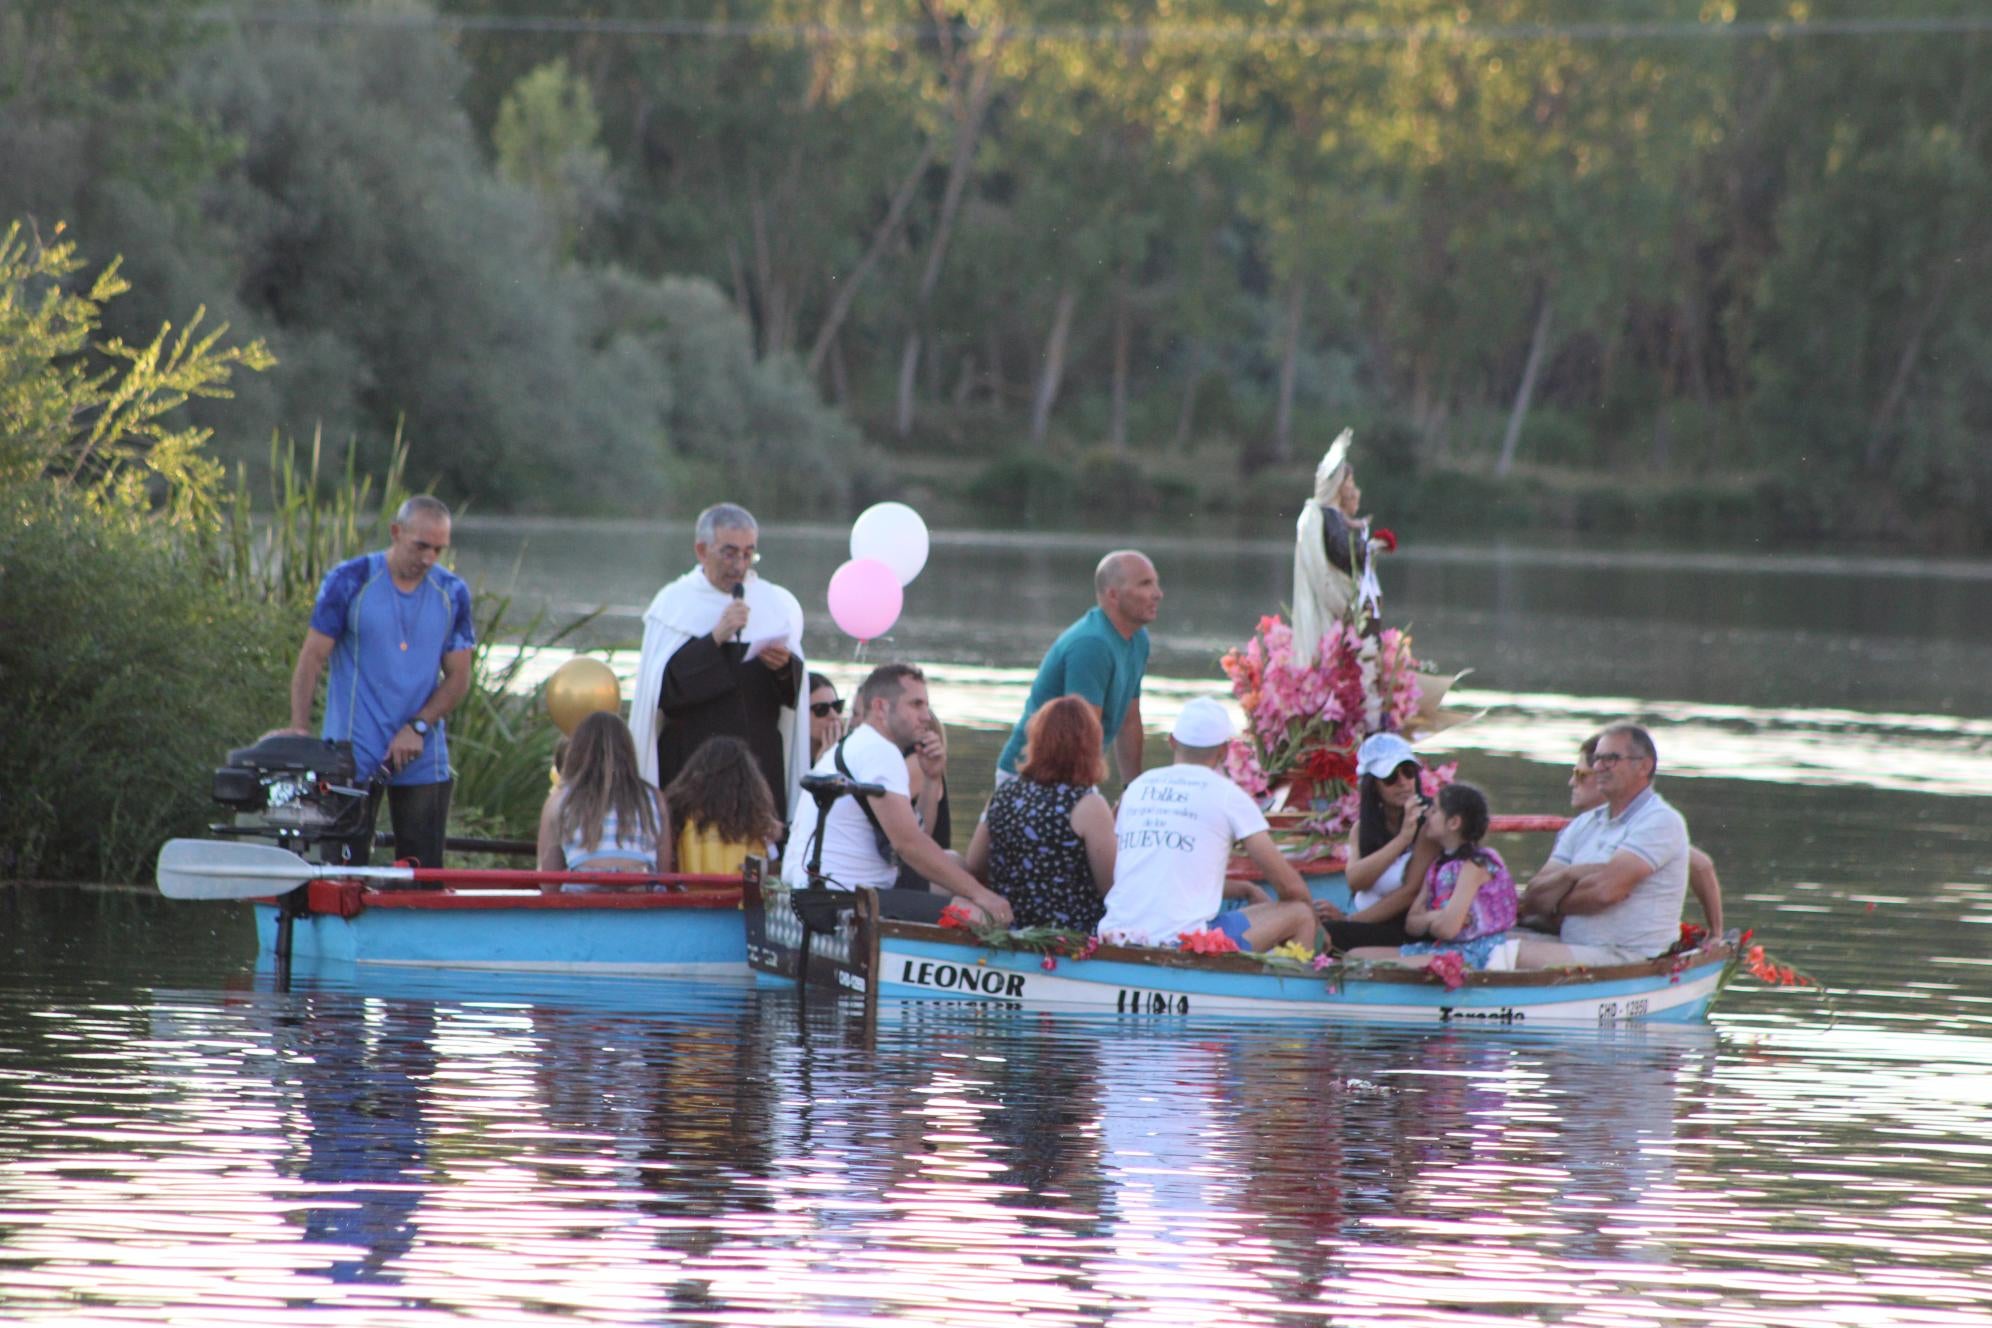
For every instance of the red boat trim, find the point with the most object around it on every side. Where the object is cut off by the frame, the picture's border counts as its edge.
(727, 897)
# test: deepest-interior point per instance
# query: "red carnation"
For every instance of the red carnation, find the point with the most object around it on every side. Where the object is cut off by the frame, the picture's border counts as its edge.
(1387, 538)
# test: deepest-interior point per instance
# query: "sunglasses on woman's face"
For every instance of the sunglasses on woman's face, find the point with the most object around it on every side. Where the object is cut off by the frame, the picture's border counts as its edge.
(825, 709)
(1405, 771)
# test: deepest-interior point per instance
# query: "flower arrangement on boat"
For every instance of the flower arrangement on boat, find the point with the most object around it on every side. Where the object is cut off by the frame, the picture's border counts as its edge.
(1304, 723)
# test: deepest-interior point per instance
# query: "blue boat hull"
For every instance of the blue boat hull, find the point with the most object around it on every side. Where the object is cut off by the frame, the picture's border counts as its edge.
(910, 968)
(861, 953)
(677, 941)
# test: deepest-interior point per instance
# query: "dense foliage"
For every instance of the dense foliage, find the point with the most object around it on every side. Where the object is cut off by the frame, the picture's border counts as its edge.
(597, 254)
(148, 615)
(126, 666)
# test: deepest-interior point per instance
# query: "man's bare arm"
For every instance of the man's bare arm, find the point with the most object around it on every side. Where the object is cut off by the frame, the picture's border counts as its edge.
(450, 692)
(1708, 890)
(1617, 879)
(311, 659)
(917, 849)
(1127, 743)
(1279, 873)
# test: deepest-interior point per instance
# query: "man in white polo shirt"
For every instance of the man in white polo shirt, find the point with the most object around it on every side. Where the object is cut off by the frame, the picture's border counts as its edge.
(890, 716)
(1616, 879)
(1175, 831)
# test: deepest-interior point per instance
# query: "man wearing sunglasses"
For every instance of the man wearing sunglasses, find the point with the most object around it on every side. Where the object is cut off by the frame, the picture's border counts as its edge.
(722, 654)
(1614, 884)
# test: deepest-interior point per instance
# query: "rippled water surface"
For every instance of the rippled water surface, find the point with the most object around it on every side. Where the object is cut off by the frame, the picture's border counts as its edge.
(180, 1142)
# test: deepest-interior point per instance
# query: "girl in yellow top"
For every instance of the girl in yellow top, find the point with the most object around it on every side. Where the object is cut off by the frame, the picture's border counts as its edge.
(723, 807)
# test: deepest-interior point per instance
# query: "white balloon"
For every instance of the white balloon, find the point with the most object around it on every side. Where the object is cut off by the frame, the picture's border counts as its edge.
(894, 534)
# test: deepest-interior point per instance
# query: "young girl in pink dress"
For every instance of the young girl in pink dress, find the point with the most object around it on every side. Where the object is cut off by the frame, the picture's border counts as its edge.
(1468, 900)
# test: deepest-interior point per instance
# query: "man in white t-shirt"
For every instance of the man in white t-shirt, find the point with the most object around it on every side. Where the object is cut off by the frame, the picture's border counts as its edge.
(1175, 831)
(889, 717)
(1615, 880)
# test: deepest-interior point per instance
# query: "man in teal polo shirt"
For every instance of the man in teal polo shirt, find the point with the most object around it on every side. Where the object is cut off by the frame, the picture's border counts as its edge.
(1100, 659)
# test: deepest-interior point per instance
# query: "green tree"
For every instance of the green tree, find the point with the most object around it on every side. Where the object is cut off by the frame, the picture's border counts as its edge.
(548, 140)
(127, 666)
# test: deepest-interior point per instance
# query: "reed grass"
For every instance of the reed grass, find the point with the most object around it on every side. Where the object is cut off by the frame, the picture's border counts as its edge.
(501, 740)
(312, 526)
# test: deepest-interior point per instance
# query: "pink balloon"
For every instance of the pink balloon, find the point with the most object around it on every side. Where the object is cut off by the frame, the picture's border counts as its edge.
(865, 598)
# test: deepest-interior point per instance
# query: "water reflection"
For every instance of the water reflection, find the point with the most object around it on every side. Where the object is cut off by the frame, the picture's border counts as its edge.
(636, 1151)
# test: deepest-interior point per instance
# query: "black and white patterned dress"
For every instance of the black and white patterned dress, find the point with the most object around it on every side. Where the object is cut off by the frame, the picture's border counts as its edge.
(1037, 860)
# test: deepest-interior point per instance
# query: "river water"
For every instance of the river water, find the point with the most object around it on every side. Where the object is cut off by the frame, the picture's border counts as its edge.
(181, 1142)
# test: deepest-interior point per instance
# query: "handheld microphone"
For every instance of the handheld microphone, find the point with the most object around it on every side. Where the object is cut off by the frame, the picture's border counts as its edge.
(740, 590)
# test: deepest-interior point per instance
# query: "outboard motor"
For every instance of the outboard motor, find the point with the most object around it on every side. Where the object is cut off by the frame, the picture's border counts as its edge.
(298, 791)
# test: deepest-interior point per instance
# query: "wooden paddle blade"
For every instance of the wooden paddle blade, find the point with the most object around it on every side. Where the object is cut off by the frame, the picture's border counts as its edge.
(224, 869)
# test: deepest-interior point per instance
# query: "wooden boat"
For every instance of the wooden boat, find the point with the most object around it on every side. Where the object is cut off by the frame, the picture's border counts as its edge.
(470, 919)
(881, 959)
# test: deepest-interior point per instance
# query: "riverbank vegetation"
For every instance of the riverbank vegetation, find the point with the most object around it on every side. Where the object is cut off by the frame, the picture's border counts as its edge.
(149, 613)
(1717, 272)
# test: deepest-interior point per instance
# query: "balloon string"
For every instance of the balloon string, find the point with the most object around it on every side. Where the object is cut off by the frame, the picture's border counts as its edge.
(859, 658)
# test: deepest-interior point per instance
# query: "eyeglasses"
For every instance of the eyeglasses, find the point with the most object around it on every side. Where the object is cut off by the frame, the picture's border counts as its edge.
(728, 554)
(825, 709)
(1606, 760)
(1581, 772)
(1408, 770)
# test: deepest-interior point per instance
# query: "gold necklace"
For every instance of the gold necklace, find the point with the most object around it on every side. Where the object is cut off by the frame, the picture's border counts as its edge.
(399, 620)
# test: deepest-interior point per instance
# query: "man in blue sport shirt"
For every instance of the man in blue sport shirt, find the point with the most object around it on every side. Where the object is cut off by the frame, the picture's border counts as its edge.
(396, 630)
(1101, 659)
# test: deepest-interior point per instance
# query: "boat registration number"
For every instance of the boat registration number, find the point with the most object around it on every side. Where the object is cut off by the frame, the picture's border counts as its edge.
(1132, 1000)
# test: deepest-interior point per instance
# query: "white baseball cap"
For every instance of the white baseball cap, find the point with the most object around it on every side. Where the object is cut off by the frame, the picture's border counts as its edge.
(1382, 753)
(1203, 723)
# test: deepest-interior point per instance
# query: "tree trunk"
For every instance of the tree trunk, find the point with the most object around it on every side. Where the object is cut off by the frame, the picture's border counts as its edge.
(1054, 364)
(909, 370)
(1882, 426)
(840, 375)
(882, 237)
(971, 107)
(1428, 409)
(999, 389)
(1281, 447)
(1538, 340)
(766, 281)
(1117, 417)
(1186, 411)
(743, 299)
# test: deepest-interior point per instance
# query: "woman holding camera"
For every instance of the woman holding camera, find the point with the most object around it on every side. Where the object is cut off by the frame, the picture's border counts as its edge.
(1387, 856)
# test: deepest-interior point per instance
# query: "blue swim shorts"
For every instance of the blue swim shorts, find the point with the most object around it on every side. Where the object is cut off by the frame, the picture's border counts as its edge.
(1232, 923)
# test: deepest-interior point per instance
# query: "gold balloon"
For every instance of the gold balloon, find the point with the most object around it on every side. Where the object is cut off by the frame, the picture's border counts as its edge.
(578, 689)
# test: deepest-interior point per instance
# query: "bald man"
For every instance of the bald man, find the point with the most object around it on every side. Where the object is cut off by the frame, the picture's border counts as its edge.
(1100, 659)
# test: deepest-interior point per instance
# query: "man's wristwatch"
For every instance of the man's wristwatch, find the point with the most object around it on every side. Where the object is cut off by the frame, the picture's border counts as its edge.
(421, 727)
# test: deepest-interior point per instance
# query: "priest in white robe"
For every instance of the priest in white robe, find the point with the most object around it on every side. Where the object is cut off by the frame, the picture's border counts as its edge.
(722, 654)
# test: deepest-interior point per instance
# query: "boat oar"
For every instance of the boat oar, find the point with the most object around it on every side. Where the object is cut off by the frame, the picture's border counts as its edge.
(232, 869)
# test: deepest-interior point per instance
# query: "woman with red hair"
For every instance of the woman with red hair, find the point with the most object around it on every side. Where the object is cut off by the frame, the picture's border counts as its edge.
(1046, 843)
